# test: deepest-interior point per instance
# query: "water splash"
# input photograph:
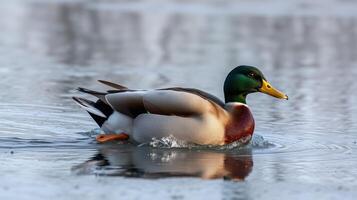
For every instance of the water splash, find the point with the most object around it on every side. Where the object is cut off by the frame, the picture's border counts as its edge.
(170, 142)
(257, 141)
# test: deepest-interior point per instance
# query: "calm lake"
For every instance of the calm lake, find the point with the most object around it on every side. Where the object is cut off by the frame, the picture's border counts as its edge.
(304, 148)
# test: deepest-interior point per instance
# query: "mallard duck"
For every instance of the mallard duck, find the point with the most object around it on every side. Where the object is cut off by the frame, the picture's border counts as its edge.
(187, 114)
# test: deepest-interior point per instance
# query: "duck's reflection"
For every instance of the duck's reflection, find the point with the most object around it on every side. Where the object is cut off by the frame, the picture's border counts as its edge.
(146, 162)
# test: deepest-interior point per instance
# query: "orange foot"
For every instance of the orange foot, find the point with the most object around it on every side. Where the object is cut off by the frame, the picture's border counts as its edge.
(112, 137)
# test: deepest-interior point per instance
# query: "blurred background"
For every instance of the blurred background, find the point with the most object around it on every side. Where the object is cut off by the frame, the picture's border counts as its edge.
(308, 49)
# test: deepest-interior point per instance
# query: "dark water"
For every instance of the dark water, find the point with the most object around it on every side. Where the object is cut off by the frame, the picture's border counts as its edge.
(304, 148)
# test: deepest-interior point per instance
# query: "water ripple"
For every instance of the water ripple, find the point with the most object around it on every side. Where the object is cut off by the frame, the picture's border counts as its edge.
(21, 143)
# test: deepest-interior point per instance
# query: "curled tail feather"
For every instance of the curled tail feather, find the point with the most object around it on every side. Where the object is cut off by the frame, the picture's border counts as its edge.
(113, 85)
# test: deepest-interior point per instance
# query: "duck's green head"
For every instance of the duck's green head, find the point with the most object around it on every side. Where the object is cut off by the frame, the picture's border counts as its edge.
(244, 80)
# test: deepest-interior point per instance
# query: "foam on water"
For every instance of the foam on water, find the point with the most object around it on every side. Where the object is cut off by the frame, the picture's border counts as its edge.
(257, 141)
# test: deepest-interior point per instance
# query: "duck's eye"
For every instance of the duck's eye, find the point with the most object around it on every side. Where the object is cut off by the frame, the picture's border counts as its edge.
(252, 75)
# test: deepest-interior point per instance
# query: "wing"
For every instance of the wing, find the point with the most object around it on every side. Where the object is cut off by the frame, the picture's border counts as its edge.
(127, 102)
(162, 101)
(171, 102)
(200, 93)
(167, 101)
(120, 88)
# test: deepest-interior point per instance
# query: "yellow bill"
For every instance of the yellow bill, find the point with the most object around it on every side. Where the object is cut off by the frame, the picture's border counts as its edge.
(270, 90)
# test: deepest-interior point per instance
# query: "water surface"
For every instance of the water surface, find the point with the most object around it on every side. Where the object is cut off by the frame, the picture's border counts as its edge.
(304, 148)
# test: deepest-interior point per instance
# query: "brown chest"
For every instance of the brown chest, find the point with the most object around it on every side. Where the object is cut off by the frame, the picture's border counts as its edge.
(241, 124)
